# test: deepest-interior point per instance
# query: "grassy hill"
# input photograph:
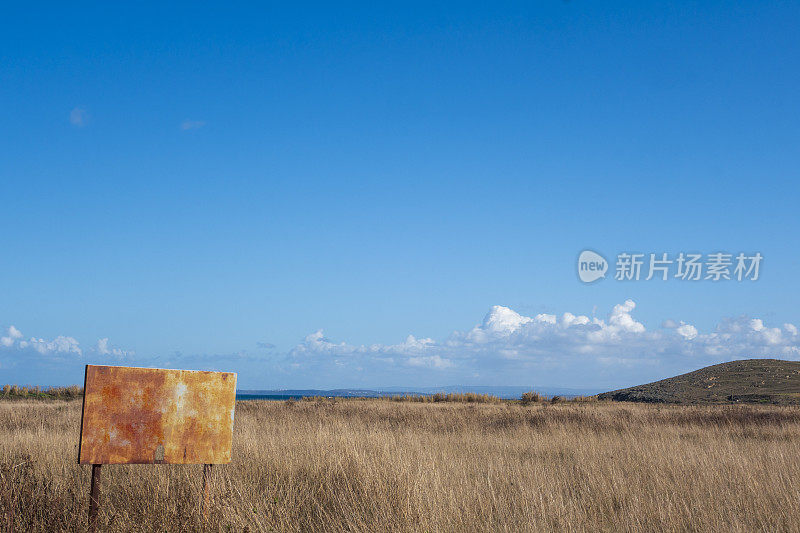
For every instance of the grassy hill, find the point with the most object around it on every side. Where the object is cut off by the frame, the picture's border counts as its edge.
(766, 381)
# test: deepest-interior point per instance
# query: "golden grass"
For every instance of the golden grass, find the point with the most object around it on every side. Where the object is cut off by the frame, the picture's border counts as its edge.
(380, 465)
(15, 392)
(458, 397)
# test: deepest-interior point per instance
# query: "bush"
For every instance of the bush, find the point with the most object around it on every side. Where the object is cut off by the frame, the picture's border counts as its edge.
(532, 397)
(52, 393)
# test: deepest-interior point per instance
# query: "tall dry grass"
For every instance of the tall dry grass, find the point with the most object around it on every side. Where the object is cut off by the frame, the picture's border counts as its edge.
(457, 397)
(380, 465)
(15, 392)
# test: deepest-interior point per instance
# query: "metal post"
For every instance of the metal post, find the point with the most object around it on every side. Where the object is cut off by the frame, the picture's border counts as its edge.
(206, 489)
(94, 498)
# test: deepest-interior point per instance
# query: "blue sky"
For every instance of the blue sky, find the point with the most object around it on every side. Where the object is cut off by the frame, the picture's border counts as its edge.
(210, 186)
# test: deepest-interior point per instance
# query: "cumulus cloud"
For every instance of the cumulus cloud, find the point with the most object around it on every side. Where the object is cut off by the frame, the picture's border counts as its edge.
(12, 335)
(687, 331)
(59, 345)
(621, 319)
(15, 343)
(104, 348)
(506, 347)
(505, 339)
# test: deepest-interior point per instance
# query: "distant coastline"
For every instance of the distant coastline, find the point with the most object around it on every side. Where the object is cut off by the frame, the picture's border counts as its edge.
(505, 392)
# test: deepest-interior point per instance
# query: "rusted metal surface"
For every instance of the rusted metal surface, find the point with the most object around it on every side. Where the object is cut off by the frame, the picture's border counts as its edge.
(147, 415)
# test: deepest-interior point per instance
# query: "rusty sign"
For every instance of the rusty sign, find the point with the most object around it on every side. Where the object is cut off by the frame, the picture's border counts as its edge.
(150, 415)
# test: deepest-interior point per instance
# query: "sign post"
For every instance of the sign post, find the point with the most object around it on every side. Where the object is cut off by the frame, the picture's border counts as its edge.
(94, 498)
(207, 470)
(155, 416)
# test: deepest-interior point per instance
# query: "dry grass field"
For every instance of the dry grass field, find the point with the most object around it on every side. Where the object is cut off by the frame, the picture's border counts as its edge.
(378, 465)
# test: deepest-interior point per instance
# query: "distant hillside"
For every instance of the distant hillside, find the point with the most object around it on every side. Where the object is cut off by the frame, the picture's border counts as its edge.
(750, 381)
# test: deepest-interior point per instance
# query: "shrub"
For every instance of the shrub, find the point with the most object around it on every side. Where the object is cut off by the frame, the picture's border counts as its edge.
(51, 393)
(532, 397)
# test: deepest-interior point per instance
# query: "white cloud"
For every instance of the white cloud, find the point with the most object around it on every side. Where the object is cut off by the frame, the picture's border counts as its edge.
(78, 116)
(687, 331)
(433, 361)
(568, 319)
(13, 342)
(412, 352)
(316, 343)
(506, 347)
(103, 348)
(12, 335)
(505, 337)
(502, 321)
(192, 124)
(59, 345)
(621, 319)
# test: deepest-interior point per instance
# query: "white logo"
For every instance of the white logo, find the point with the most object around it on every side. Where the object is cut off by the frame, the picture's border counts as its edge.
(591, 266)
(684, 266)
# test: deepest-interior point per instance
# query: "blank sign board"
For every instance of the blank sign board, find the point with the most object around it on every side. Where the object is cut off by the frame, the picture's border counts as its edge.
(150, 415)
